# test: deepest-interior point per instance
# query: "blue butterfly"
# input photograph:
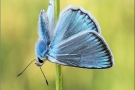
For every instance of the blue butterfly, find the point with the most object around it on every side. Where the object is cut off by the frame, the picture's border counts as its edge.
(74, 41)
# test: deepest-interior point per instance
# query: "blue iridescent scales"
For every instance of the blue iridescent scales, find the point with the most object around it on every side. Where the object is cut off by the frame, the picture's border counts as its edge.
(74, 41)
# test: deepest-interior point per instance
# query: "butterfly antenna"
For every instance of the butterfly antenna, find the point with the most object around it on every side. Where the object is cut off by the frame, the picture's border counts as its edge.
(44, 76)
(25, 68)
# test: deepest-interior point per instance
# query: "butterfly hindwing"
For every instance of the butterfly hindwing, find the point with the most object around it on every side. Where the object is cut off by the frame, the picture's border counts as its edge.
(86, 49)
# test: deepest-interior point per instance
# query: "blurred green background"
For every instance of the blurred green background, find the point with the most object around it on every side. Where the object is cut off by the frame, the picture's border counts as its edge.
(19, 33)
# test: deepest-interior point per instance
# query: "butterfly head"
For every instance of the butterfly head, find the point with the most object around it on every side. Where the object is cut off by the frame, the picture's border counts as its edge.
(40, 50)
(39, 61)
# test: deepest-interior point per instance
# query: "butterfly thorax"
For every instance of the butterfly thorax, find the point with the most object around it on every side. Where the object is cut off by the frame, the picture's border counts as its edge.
(41, 49)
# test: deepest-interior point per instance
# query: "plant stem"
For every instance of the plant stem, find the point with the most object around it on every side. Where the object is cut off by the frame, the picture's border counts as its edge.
(58, 77)
(58, 67)
(56, 9)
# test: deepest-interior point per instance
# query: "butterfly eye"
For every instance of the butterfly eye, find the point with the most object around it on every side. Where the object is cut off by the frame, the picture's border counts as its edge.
(41, 61)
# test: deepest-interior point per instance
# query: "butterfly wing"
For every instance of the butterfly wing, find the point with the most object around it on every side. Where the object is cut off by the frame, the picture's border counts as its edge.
(86, 49)
(50, 14)
(46, 23)
(72, 21)
(43, 26)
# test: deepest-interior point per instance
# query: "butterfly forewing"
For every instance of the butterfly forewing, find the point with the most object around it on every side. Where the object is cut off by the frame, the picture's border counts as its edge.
(50, 14)
(43, 27)
(72, 21)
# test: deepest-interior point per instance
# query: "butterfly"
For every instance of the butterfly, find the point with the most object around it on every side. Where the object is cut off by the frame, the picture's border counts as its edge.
(74, 41)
